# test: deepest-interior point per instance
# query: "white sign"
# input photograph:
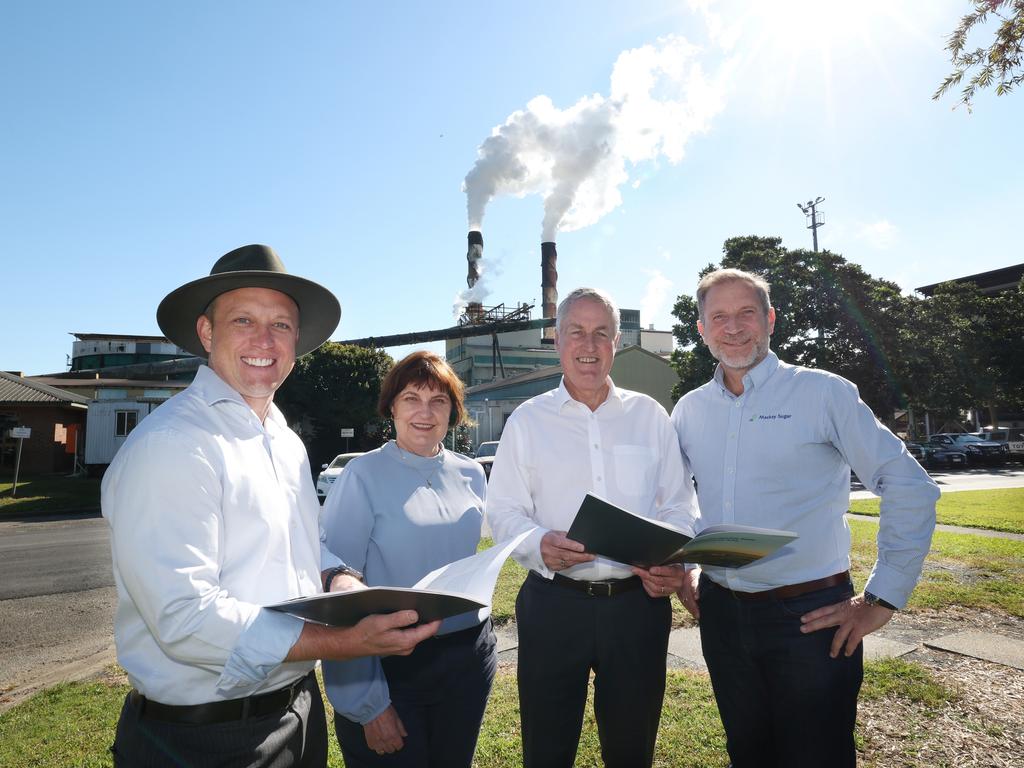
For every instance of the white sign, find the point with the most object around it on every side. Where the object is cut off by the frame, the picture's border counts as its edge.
(21, 432)
(348, 432)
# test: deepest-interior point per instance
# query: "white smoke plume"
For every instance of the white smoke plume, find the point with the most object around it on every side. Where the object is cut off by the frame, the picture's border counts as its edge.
(489, 268)
(578, 158)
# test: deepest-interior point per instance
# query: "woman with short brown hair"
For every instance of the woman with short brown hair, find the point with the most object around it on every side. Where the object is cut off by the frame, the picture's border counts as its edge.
(398, 513)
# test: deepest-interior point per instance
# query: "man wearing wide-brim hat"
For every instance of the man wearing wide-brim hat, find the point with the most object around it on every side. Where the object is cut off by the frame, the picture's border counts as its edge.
(213, 514)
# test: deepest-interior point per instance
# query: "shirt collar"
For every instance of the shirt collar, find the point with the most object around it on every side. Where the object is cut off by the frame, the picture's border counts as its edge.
(562, 397)
(755, 377)
(212, 389)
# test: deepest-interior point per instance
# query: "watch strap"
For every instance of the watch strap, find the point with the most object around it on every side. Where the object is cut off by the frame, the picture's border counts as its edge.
(873, 599)
(341, 570)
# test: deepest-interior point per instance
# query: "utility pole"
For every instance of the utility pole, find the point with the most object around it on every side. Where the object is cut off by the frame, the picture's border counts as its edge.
(815, 220)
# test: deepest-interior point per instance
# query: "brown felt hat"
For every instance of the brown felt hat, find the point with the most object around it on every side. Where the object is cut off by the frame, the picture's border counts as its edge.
(251, 266)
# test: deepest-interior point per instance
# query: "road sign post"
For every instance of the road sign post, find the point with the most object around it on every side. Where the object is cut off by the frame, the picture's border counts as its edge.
(19, 433)
(347, 432)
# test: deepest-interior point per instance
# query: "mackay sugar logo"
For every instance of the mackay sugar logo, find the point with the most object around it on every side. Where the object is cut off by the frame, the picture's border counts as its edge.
(771, 416)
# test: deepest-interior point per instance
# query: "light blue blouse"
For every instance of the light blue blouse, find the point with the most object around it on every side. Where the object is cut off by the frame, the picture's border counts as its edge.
(396, 516)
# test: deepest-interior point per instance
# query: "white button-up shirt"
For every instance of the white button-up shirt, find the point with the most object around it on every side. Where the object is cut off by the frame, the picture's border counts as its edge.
(554, 450)
(779, 456)
(212, 514)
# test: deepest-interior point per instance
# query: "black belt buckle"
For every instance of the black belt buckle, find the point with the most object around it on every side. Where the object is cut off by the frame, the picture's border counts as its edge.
(594, 588)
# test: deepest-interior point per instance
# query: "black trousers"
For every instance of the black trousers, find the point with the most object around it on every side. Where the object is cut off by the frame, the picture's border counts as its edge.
(293, 738)
(440, 692)
(563, 635)
(784, 702)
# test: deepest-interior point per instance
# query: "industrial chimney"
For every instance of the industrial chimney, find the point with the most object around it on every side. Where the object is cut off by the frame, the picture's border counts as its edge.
(474, 253)
(549, 286)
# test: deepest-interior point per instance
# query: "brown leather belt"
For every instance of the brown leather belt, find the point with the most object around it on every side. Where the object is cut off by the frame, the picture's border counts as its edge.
(606, 588)
(793, 590)
(220, 711)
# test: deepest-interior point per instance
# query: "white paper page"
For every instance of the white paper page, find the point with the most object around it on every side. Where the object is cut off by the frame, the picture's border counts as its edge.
(474, 576)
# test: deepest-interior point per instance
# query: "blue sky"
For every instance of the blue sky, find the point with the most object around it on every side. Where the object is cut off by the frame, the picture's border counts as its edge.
(141, 141)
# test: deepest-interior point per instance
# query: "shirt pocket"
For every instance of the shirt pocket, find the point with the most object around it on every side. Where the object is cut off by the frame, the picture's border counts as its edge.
(634, 469)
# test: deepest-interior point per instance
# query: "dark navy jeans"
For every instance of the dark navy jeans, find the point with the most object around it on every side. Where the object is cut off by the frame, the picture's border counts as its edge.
(440, 692)
(784, 702)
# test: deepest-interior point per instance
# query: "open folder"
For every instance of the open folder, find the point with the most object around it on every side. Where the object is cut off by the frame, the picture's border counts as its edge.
(610, 531)
(465, 585)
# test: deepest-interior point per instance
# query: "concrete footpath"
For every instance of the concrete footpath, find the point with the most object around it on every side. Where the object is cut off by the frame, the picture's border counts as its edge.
(684, 650)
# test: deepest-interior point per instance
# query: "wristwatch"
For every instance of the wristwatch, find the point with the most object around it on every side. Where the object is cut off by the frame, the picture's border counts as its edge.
(872, 599)
(341, 570)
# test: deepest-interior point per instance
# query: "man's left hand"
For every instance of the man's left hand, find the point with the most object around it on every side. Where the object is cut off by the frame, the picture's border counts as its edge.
(661, 580)
(855, 619)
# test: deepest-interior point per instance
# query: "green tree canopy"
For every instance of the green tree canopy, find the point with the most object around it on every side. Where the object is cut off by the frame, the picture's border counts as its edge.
(1000, 63)
(333, 387)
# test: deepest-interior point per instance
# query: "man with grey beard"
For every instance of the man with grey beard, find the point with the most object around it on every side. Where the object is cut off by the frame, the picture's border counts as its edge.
(772, 445)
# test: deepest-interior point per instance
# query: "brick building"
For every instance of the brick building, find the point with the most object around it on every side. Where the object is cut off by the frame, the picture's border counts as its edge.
(57, 421)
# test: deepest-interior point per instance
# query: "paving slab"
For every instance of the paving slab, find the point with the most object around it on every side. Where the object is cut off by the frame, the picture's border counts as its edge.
(507, 637)
(878, 647)
(987, 646)
(684, 643)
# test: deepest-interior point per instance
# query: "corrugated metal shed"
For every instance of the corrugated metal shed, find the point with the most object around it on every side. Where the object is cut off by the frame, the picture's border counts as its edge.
(15, 390)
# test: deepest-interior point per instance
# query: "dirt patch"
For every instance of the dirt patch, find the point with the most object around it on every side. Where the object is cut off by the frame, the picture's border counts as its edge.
(983, 726)
(53, 639)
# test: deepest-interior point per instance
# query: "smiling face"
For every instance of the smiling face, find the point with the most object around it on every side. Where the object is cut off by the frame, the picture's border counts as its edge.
(251, 342)
(421, 417)
(735, 327)
(586, 349)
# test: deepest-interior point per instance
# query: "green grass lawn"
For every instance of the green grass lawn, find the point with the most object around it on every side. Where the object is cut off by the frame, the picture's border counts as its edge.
(73, 724)
(1000, 509)
(961, 569)
(48, 493)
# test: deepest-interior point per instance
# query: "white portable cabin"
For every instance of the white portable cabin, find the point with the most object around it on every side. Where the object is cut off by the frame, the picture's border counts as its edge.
(108, 425)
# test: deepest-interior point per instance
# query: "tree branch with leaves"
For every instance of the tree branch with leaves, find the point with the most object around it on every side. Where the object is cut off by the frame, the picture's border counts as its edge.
(1000, 64)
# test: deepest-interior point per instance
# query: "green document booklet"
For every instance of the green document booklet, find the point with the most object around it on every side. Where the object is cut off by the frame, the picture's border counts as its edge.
(613, 532)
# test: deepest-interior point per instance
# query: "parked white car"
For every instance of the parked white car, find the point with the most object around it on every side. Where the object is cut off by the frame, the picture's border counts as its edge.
(487, 448)
(331, 472)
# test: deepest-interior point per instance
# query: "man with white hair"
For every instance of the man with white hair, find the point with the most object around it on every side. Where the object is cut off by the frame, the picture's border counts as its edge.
(577, 613)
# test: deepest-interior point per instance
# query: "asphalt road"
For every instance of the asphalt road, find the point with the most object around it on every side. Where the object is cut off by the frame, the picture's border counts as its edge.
(56, 603)
(46, 556)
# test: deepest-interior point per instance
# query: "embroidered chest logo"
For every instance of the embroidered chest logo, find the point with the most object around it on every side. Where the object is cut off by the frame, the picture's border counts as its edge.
(771, 416)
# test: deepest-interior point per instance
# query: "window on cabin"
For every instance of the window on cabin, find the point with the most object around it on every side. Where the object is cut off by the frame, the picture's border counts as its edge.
(125, 422)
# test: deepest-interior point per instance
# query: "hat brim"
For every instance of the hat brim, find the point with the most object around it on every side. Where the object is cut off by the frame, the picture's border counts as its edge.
(319, 310)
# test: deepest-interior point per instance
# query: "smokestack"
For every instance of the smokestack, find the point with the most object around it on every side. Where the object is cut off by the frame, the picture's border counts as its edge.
(549, 286)
(474, 253)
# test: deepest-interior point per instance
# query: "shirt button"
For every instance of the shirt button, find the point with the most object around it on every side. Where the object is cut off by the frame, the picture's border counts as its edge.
(596, 445)
(730, 470)
(598, 478)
